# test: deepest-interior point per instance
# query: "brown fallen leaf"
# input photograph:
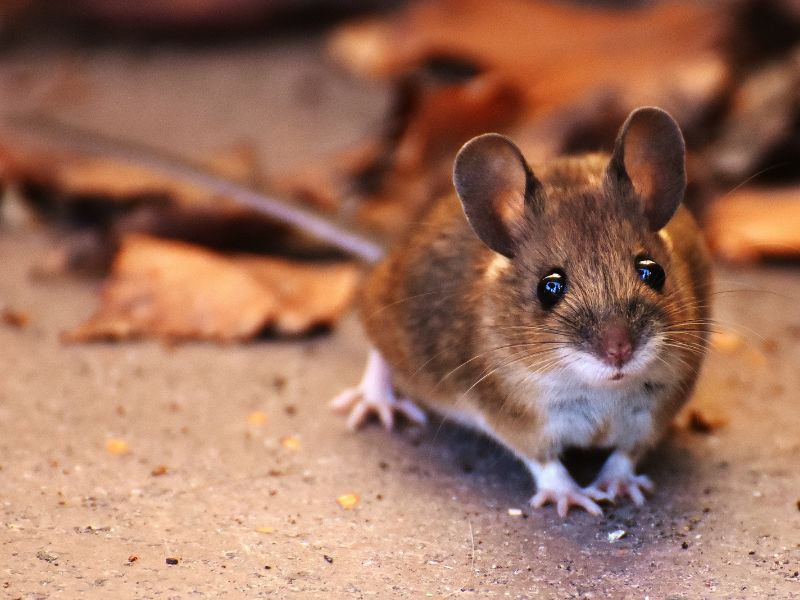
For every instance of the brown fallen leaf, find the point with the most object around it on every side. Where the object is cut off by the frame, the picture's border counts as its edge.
(111, 188)
(389, 179)
(174, 291)
(755, 223)
(557, 77)
(665, 53)
(76, 176)
(35, 161)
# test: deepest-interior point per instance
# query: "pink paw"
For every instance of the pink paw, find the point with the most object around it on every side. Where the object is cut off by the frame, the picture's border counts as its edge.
(374, 395)
(617, 478)
(563, 499)
(632, 486)
(361, 404)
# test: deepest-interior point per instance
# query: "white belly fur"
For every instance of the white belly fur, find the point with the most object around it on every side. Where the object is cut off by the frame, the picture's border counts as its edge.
(574, 412)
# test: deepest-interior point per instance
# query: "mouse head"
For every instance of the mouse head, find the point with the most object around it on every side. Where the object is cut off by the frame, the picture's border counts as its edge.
(582, 265)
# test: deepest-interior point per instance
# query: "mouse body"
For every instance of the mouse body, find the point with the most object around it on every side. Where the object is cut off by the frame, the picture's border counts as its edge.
(564, 305)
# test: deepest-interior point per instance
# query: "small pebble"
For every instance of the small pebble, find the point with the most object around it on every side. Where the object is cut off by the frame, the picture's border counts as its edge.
(172, 561)
(617, 535)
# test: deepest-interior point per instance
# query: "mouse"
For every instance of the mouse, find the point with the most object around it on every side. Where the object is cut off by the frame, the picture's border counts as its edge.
(554, 306)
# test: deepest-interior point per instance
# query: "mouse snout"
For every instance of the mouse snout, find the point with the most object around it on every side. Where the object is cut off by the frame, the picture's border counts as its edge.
(615, 346)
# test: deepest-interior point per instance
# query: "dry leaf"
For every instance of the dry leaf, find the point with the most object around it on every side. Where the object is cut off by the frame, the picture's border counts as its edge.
(73, 176)
(754, 224)
(76, 176)
(665, 53)
(173, 290)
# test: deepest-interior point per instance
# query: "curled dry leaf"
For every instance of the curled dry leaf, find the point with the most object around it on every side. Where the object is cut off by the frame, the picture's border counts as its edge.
(557, 52)
(560, 77)
(55, 173)
(754, 224)
(397, 173)
(71, 175)
(173, 290)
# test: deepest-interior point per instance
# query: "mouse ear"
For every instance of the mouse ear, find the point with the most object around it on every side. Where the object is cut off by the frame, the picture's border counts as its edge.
(494, 183)
(650, 155)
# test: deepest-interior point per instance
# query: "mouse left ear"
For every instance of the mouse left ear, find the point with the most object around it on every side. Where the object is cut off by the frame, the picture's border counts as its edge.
(650, 155)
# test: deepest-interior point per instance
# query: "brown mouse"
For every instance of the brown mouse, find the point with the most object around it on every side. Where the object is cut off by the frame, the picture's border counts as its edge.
(555, 307)
(561, 306)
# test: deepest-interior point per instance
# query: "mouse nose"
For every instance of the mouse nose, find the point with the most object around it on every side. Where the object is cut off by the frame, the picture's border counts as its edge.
(616, 346)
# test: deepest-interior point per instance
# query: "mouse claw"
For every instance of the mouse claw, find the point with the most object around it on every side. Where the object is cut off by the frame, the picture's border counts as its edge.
(598, 495)
(412, 412)
(374, 396)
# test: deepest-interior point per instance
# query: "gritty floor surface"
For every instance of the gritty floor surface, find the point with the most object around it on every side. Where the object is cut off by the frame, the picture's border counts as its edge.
(248, 514)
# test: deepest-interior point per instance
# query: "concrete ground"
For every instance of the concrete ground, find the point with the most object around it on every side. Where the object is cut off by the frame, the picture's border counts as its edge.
(247, 502)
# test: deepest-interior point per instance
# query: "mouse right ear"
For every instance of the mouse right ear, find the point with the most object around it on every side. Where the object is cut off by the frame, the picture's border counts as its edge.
(494, 184)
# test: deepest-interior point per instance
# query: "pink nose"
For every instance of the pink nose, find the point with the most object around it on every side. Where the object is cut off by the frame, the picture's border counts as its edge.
(616, 347)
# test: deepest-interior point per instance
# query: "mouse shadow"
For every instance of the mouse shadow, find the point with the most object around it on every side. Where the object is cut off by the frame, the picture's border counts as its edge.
(497, 477)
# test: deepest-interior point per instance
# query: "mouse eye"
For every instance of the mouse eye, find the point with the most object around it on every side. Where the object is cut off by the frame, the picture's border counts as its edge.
(651, 273)
(551, 289)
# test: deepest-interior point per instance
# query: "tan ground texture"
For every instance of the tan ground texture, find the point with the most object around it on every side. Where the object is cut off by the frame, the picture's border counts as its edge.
(248, 514)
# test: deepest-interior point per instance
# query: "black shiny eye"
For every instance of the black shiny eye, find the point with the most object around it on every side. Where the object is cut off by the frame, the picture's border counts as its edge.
(651, 273)
(551, 289)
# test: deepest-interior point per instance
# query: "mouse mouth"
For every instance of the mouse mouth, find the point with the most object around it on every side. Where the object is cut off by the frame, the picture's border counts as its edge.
(592, 369)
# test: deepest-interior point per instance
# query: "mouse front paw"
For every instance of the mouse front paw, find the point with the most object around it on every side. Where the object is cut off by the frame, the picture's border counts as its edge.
(564, 499)
(374, 396)
(555, 486)
(633, 486)
(617, 479)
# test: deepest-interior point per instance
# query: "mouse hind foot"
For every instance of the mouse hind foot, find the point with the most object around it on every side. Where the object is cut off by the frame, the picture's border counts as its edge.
(618, 478)
(374, 395)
